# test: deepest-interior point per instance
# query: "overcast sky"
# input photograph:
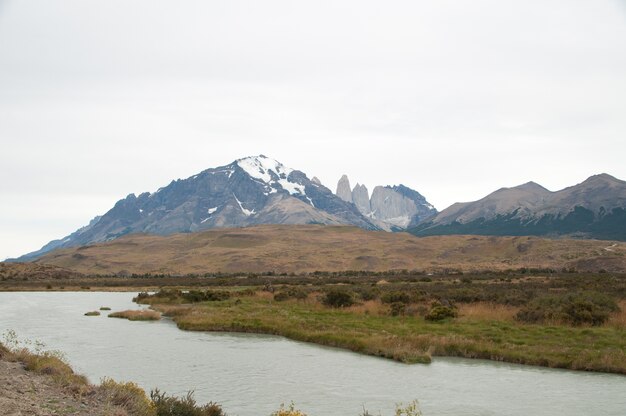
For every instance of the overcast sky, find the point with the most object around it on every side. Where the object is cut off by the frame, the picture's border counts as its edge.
(99, 99)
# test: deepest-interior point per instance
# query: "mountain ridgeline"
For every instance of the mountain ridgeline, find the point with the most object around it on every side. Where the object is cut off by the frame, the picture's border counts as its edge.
(250, 191)
(259, 190)
(595, 208)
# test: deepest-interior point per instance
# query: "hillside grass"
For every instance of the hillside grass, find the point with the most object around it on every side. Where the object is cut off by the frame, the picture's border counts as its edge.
(307, 248)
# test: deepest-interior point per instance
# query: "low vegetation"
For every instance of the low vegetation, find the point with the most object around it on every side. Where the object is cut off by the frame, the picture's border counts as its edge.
(137, 315)
(563, 320)
(93, 313)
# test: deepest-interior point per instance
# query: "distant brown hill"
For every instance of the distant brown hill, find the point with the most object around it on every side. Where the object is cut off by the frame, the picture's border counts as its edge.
(306, 248)
(34, 271)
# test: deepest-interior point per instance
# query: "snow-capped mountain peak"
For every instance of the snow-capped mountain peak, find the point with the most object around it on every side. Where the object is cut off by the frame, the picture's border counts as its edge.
(271, 172)
(261, 167)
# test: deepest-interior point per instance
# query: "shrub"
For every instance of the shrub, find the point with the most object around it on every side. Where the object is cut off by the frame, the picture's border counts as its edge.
(439, 312)
(281, 296)
(338, 298)
(93, 313)
(291, 293)
(194, 296)
(186, 406)
(398, 308)
(288, 411)
(368, 293)
(589, 308)
(128, 396)
(395, 297)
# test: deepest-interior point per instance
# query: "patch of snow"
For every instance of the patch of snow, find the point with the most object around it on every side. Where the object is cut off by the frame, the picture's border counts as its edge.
(66, 240)
(292, 187)
(259, 167)
(311, 202)
(246, 212)
(140, 211)
(401, 221)
(204, 220)
(212, 210)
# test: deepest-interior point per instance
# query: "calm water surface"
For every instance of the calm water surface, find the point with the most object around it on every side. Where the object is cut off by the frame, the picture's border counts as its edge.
(250, 375)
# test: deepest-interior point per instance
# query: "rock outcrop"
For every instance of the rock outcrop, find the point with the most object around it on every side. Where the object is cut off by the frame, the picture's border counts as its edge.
(361, 198)
(343, 189)
(391, 208)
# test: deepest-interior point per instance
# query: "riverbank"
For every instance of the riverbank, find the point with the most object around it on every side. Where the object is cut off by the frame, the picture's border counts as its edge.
(43, 384)
(53, 389)
(397, 322)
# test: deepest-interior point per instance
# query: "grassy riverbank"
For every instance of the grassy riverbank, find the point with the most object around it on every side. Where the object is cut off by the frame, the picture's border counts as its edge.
(41, 383)
(381, 321)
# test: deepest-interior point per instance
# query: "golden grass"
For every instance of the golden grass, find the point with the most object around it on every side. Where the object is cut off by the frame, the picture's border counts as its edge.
(306, 248)
(618, 319)
(137, 315)
(487, 311)
(370, 307)
(127, 396)
(50, 363)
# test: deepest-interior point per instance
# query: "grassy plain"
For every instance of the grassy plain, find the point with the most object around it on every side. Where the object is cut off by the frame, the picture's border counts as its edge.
(307, 248)
(486, 325)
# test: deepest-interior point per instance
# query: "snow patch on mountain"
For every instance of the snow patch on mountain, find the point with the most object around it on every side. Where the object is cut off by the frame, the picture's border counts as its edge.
(246, 212)
(260, 167)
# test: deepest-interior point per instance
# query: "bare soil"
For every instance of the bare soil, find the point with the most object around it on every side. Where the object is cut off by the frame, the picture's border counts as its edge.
(26, 393)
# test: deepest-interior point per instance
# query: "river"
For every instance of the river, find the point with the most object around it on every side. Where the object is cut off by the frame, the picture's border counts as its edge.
(250, 375)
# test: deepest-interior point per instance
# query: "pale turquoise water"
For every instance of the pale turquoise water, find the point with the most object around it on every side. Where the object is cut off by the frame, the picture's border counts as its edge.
(250, 375)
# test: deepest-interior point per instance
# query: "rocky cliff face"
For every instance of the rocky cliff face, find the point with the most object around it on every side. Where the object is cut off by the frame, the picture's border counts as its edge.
(391, 208)
(361, 198)
(343, 189)
(249, 191)
(595, 208)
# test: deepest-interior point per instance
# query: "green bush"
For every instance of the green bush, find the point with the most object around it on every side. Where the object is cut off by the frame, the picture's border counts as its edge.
(587, 308)
(194, 296)
(281, 296)
(338, 298)
(368, 293)
(439, 312)
(395, 297)
(186, 406)
(291, 293)
(398, 308)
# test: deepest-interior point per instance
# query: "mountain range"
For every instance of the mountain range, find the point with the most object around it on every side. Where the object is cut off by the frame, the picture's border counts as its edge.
(595, 208)
(259, 190)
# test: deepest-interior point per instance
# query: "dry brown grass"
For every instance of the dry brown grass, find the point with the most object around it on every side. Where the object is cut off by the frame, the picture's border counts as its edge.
(306, 248)
(137, 315)
(618, 320)
(487, 311)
